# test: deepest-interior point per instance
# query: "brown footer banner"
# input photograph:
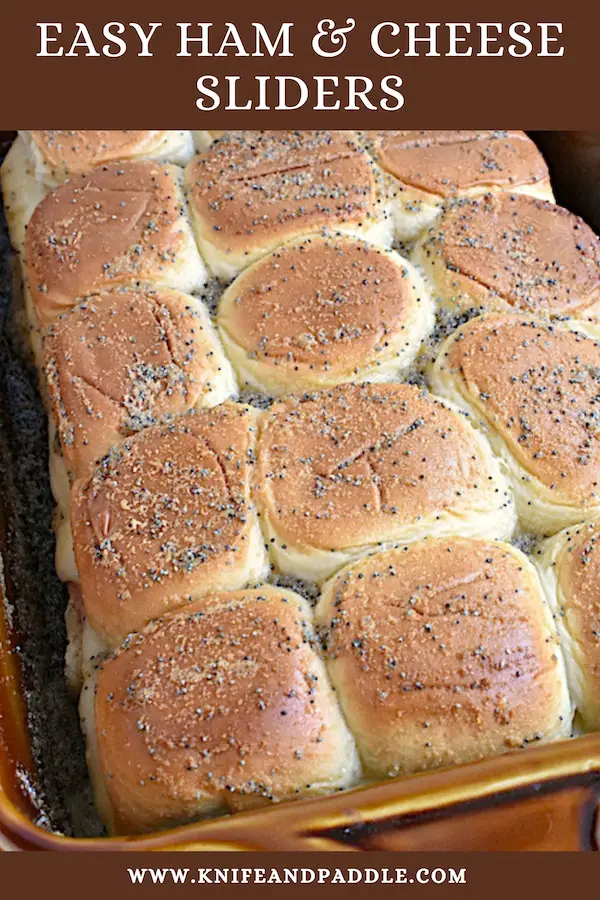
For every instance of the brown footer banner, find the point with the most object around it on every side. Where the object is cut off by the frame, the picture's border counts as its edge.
(166, 875)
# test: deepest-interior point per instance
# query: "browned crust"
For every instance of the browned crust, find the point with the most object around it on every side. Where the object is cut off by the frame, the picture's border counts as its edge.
(537, 384)
(517, 251)
(442, 652)
(165, 518)
(115, 225)
(352, 465)
(446, 162)
(122, 361)
(577, 571)
(74, 152)
(324, 303)
(253, 188)
(220, 708)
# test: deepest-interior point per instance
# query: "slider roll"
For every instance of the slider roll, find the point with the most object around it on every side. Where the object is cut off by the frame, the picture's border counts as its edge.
(510, 252)
(323, 310)
(343, 471)
(443, 652)
(532, 387)
(570, 570)
(166, 518)
(127, 359)
(253, 190)
(220, 707)
(117, 225)
(58, 155)
(428, 167)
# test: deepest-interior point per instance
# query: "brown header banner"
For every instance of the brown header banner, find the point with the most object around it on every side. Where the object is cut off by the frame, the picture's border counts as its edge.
(530, 64)
(181, 875)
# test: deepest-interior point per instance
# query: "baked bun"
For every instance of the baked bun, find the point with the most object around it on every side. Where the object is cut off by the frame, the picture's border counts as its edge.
(343, 471)
(219, 707)
(166, 518)
(532, 386)
(252, 190)
(322, 310)
(118, 224)
(570, 570)
(443, 652)
(127, 359)
(57, 155)
(430, 166)
(507, 251)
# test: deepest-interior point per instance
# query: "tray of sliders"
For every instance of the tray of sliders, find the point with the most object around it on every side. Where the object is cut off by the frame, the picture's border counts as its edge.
(299, 491)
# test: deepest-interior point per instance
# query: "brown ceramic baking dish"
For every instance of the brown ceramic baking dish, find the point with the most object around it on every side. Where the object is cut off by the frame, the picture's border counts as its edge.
(543, 798)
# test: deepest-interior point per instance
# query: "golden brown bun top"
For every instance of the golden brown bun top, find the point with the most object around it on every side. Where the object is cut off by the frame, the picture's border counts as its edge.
(318, 302)
(229, 702)
(121, 361)
(440, 636)
(164, 515)
(538, 385)
(114, 225)
(577, 569)
(532, 254)
(446, 162)
(345, 466)
(252, 186)
(76, 151)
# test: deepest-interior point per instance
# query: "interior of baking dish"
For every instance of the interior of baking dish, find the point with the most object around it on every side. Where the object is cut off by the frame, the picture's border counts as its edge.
(43, 770)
